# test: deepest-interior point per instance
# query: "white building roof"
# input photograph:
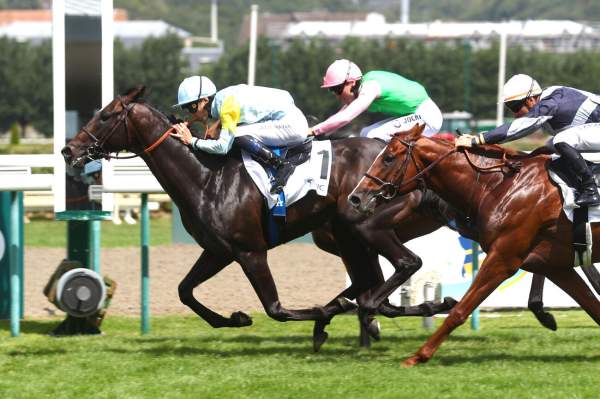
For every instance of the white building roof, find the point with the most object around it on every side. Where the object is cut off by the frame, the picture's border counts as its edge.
(127, 31)
(82, 7)
(375, 25)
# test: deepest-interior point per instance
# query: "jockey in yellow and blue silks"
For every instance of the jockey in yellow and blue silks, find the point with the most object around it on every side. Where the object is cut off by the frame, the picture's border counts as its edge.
(254, 117)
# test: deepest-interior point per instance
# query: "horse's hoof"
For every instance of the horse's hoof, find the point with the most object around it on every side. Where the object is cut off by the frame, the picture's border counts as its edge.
(240, 319)
(411, 361)
(547, 320)
(346, 304)
(318, 340)
(450, 302)
(374, 329)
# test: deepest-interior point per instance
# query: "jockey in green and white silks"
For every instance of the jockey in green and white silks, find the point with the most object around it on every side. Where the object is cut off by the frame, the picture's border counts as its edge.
(254, 117)
(404, 100)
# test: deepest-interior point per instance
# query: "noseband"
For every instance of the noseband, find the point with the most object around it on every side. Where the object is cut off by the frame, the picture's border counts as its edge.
(97, 151)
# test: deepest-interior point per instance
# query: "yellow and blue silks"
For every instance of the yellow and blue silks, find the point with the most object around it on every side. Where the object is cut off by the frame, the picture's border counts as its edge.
(230, 114)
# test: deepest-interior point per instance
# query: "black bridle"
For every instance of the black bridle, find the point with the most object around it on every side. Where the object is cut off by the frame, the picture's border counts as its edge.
(97, 149)
(389, 190)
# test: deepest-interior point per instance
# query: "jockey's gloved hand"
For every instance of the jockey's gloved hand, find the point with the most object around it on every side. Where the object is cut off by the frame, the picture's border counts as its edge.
(467, 140)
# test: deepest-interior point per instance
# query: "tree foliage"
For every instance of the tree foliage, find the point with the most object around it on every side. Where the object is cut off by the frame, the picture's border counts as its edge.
(157, 64)
(26, 76)
(445, 69)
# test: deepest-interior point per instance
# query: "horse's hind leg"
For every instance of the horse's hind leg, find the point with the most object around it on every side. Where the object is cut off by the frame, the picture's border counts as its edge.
(207, 265)
(572, 283)
(536, 304)
(256, 268)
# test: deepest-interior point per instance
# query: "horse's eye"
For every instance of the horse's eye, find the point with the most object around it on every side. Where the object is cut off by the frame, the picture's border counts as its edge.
(388, 158)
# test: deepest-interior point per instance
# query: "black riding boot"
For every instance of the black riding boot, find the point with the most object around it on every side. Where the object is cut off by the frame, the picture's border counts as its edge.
(258, 150)
(587, 192)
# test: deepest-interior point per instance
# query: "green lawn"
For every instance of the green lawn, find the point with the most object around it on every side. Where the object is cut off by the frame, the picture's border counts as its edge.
(511, 357)
(26, 149)
(51, 233)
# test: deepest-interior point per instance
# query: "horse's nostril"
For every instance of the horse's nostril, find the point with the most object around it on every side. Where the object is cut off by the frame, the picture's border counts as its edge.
(354, 201)
(67, 153)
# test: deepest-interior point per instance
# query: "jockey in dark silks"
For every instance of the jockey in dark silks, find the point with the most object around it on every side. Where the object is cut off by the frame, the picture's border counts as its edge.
(572, 116)
(254, 117)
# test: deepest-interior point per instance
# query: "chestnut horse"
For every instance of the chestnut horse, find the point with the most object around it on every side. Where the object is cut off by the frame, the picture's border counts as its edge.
(225, 213)
(516, 210)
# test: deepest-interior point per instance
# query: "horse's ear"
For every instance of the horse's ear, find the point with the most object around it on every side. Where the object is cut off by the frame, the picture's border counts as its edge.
(135, 93)
(415, 132)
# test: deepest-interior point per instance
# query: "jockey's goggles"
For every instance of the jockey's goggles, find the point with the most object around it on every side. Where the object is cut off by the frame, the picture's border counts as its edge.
(191, 107)
(337, 89)
(514, 106)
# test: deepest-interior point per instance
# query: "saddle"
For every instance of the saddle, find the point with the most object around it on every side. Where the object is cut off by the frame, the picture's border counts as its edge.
(294, 155)
(582, 232)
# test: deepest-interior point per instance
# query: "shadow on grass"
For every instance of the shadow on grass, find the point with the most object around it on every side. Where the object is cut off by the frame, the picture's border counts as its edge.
(36, 352)
(41, 327)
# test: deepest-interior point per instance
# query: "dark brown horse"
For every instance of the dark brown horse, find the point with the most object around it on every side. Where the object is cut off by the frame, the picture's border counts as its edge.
(225, 213)
(516, 209)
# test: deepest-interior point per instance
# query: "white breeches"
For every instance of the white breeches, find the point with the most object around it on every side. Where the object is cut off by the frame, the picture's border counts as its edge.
(427, 113)
(584, 138)
(289, 130)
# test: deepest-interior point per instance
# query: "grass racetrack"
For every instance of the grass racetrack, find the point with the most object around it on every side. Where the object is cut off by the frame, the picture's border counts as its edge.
(510, 357)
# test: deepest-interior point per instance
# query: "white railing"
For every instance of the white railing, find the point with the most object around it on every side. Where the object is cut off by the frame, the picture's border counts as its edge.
(129, 176)
(15, 173)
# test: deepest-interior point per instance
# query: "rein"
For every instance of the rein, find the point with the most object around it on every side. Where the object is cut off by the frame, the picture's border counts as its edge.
(97, 150)
(389, 190)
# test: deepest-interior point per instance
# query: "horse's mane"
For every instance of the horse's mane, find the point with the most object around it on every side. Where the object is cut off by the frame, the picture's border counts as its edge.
(495, 151)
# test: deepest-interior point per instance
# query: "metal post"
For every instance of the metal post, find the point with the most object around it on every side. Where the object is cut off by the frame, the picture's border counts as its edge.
(59, 101)
(405, 295)
(405, 11)
(252, 49)
(467, 75)
(94, 245)
(14, 251)
(214, 21)
(475, 263)
(145, 238)
(501, 76)
(428, 296)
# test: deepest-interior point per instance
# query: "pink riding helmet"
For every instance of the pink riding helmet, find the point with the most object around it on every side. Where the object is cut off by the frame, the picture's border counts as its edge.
(341, 71)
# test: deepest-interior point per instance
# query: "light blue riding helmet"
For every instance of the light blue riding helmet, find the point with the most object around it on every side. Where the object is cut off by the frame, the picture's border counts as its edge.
(194, 88)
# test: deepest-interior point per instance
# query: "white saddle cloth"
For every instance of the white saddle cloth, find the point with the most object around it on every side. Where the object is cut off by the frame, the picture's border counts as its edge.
(311, 175)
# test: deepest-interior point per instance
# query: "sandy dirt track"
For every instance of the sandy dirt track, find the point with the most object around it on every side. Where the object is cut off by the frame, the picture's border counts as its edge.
(304, 275)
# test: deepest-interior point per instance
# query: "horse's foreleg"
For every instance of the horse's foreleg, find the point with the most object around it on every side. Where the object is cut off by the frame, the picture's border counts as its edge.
(593, 277)
(256, 268)
(494, 270)
(339, 304)
(536, 304)
(570, 282)
(405, 264)
(426, 309)
(207, 265)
